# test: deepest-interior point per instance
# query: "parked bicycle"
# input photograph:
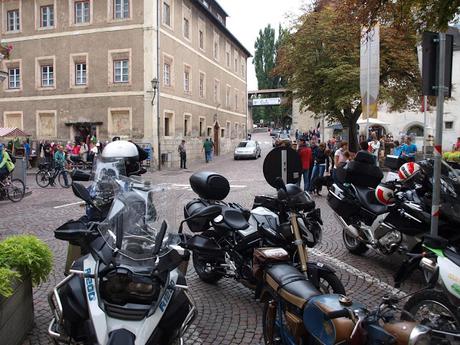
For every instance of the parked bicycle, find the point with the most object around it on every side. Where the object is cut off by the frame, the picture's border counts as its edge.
(13, 189)
(47, 176)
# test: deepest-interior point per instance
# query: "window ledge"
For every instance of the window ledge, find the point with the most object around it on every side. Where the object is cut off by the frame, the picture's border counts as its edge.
(12, 90)
(46, 88)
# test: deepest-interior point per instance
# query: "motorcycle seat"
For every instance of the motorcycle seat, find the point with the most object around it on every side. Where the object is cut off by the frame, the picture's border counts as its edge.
(366, 197)
(452, 256)
(235, 219)
(290, 284)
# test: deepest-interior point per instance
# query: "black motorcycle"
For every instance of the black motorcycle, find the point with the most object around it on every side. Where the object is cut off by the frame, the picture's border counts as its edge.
(225, 244)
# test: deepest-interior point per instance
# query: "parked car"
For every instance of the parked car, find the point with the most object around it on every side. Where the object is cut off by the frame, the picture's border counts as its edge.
(247, 149)
(275, 131)
(280, 139)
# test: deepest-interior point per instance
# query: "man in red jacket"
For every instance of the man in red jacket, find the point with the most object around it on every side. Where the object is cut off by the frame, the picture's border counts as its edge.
(306, 158)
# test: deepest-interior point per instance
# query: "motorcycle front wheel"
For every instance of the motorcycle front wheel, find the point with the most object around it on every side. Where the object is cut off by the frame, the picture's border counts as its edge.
(206, 270)
(329, 283)
(433, 309)
(353, 245)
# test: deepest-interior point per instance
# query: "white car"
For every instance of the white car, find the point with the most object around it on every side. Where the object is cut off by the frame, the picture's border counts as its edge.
(247, 149)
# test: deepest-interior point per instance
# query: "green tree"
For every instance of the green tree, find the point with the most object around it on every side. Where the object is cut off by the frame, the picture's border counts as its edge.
(265, 57)
(321, 60)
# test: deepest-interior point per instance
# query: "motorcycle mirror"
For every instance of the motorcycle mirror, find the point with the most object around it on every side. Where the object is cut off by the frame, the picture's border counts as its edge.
(81, 192)
(78, 175)
(159, 238)
(282, 163)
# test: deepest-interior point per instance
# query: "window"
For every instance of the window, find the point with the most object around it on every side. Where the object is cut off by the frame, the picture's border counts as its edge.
(216, 46)
(14, 78)
(13, 20)
(80, 74)
(121, 71)
(227, 96)
(119, 121)
(202, 124)
(222, 133)
(13, 119)
(236, 99)
(236, 62)
(201, 39)
(167, 129)
(227, 129)
(449, 125)
(121, 9)
(82, 12)
(202, 85)
(243, 67)
(46, 124)
(166, 13)
(47, 16)
(187, 87)
(216, 91)
(167, 74)
(227, 54)
(209, 131)
(186, 28)
(187, 127)
(47, 73)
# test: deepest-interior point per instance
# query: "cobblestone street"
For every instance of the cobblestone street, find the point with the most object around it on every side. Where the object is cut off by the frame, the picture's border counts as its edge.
(228, 313)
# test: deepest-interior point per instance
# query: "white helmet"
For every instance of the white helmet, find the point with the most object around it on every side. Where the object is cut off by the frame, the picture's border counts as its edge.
(408, 170)
(384, 194)
(125, 150)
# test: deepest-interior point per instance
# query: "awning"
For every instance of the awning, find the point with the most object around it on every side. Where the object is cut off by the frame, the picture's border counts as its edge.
(372, 121)
(12, 132)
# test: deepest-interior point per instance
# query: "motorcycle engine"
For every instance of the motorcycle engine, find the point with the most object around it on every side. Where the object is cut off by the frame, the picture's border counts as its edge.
(390, 242)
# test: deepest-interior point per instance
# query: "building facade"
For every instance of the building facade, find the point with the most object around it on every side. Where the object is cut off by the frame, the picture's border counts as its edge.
(85, 67)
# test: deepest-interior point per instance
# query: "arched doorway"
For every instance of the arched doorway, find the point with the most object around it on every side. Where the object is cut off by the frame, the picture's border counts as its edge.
(415, 130)
(216, 139)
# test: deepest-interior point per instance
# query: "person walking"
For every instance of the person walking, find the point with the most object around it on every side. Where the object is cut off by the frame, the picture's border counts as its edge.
(306, 158)
(409, 150)
(319, 158)
(6, 164)
(374, 148)
(207, 148)
(213, 147)
(183, 155)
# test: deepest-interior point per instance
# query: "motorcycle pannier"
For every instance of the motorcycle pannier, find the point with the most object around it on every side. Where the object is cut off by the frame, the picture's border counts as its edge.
(209, 185)
(196, 224)
(264, 256)
(343, 206)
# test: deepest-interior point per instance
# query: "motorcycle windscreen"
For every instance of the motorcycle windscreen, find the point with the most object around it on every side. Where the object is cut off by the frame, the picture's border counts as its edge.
(134, 220)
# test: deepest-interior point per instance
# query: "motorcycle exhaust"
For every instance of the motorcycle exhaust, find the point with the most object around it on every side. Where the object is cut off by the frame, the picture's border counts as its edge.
(350, 229)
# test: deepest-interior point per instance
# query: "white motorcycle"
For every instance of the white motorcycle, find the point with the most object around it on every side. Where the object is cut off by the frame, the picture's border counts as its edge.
(130, 287)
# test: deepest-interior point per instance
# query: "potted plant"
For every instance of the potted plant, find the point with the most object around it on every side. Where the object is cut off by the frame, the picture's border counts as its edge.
(25, 261)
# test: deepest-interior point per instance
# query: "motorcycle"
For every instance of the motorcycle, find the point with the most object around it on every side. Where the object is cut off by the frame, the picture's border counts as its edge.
(397, 227)
(296, 313)
(225, 244)
(129, 287)
(436, 307)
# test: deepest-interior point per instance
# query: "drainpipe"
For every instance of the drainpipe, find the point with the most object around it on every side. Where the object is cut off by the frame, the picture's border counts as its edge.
(159, 84)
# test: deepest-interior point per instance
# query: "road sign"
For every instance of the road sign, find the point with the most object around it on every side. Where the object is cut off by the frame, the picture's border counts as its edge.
(282, 162)
(266, 101)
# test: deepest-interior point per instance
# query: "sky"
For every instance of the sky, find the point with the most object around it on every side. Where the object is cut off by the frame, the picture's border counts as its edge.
(247, 17)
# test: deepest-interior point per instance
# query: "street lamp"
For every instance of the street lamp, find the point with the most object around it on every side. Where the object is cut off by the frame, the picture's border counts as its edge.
(154, 83)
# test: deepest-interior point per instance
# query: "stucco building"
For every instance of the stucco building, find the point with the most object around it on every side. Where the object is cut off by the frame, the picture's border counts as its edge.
(82, 67)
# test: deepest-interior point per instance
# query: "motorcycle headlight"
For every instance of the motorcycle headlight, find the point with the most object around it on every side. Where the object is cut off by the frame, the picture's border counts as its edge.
(420, 335)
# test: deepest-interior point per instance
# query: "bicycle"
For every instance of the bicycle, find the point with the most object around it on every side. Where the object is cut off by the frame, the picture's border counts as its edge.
(47, 176)
(13, 189)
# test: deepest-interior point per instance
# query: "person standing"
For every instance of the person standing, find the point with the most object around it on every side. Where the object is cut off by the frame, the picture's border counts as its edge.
(60, 161)
(306, 160)
(374, 148)
(183, 155)
(27, 153)
(319, 158)
(339, 157)
(212, 148)
(207, 148)
(6, 164)
(409, 150)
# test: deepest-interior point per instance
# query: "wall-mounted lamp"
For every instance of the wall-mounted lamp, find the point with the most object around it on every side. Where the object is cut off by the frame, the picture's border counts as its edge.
(154, 82)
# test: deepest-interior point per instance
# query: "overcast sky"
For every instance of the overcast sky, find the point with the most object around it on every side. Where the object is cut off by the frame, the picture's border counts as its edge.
(247, 17)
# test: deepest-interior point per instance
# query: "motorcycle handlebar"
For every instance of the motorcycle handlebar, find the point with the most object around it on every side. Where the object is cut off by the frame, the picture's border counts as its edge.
(336, 314)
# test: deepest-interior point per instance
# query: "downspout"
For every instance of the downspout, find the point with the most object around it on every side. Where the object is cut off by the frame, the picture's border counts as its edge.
(159, 84)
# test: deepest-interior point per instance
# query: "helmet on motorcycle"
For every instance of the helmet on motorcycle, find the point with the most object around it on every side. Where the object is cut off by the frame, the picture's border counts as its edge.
(408, 171)
(384, 193)
(125, 150)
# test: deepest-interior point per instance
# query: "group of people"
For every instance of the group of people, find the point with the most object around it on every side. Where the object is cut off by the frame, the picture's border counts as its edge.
(208, 149)
(76, 151)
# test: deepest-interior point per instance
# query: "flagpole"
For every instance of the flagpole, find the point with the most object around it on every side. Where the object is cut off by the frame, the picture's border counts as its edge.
(368, 83)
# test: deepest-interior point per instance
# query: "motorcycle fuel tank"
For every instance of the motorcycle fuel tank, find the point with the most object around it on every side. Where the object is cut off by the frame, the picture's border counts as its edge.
(328, 332)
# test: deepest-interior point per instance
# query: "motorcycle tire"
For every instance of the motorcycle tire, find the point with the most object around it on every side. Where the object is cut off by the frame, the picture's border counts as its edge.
(353, 245)
(206, 274)
(329, 283)
(439, 300)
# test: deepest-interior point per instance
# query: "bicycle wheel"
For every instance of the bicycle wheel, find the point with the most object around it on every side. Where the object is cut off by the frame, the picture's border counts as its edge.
(42, 178)
(62, 180)
(16, 190)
